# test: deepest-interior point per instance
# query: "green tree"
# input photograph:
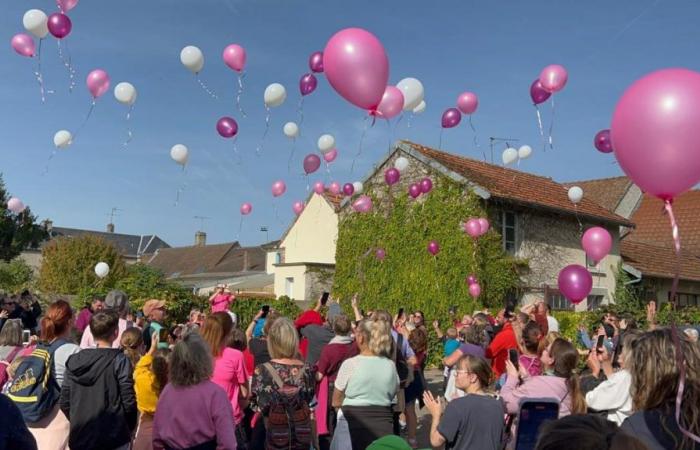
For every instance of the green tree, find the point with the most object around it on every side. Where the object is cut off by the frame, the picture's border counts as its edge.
(17, 231)
(627, 296)
(15, 275)
(68, 265)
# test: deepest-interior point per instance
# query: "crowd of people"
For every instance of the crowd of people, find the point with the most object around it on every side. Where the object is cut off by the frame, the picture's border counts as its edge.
(107, 377)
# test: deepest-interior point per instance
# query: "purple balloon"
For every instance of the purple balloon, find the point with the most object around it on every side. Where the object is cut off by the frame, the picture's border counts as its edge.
(227, 127)
(307, 84)
(537, 92)
(311, 163)
(602, 141)
(426, 185)
(59, 25)
(348, 189)
(316, 62)
(451, 118)
(474, 289)
(392, 176)
(414, 190)
(575, 282)
(380, 254)
(473, 228)
(433, 248)
(471, 279)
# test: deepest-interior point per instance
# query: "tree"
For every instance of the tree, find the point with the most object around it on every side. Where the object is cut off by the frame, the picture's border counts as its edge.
(68, 265)
(17, 231)
(15, 275)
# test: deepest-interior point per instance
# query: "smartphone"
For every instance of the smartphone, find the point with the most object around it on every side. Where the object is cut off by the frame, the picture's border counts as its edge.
(324, 298)
(533, 413)
(163, 335)
(513, 356)
(400, 314)
(599, 344)
(265, 310)
(25, 337)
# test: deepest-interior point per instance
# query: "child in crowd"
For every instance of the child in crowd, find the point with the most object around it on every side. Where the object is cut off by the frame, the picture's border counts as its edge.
(450, 343)
(132, 344)
(150, 377)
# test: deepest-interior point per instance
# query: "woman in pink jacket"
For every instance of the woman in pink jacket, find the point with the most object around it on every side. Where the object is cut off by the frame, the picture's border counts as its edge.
(559, 381)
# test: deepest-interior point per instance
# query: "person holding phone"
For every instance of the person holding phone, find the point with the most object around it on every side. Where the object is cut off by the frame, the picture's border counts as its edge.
(473, 421)
(222, 299)
(154, 311)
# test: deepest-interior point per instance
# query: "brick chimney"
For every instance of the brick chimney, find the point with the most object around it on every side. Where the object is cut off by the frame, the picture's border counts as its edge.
(110, 228)
(200, 239)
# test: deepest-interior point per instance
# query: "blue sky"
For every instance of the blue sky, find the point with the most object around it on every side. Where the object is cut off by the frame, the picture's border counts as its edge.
(495, 49)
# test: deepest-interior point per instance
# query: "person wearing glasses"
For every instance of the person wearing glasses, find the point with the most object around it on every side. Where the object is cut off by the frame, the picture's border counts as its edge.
(25, 307)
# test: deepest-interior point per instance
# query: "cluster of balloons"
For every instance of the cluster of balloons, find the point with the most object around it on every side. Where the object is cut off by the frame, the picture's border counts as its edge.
(15, 205)
(422, 187)
(476, 227)
(467, 102)
(101, 269)
(474, 286)
(511, 155)
(575, 281)
(36, 22)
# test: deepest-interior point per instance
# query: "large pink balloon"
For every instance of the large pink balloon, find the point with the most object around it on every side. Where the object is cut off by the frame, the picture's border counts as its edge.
(553, 78)
(575, 282)
(311, 163)
(391, 104)
(357, 67)
(66, 5)
(298, 207)
(363, 204)
(475, 289)
(330, 156)
(246, 208)
(596, 242)
(278, 188)
(655, 132)
(23, 44)
(235, 57)
(467, 102)
(97, 82)
(319, 188)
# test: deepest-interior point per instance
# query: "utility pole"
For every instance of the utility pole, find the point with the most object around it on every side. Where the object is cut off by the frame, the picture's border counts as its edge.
(201, 221)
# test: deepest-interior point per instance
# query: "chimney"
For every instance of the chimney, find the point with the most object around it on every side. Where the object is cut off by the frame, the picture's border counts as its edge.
(110, 227)
(200, 239)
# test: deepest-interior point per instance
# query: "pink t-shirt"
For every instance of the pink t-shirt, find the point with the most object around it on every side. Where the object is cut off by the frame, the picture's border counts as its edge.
(230, 374)
(221, 302)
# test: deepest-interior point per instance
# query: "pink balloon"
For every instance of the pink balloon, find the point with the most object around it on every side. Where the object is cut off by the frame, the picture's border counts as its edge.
(471, 279)
(391, 104)
(426, 185)
(348, 189)
(451, 118)
(357, 67)
(655, 132)
(363, 204)
(414, 190)
(380, 254)
(467, 102)
(298, 207)
(537, 92)
(330, 156)
(334, 188)
(553, 78)
(392, 176)
(311, 163)
(473, 228)
(23, 44)
(575, 282)
(235, 57)
(433, 247)
(316, 62)
(278, 188)
(246, 208)
(602, 141)
(227, 127)
(596, 242)
(319, 188)
(475, 289)
(66, 5)
(97, 82)
(15, 205)
(59, 25)
(484, 224)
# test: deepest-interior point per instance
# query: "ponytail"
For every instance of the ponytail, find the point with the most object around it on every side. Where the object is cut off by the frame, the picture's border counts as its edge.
(56, 320)
(565, 358)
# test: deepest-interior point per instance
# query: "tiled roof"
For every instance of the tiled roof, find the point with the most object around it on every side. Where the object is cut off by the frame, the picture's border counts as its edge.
(225, 259)
(607, 192)
(519, 187)
(130, 245)
(334, 200)
(652, 224)
(659, 260)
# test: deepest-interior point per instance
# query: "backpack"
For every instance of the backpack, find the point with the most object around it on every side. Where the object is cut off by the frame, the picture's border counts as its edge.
(4, 364)
(289, 424)
(34, 388)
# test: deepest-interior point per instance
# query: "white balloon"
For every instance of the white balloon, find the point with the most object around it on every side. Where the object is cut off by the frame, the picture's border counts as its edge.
(326, 143)
(192, 58)
(101, 269)
(179, 154)
(575, 194)
(36, 22)
(401, 163)
(62, 139)
(291, 130)
(510, 155)
(412, 90)
(275, 95)
(524, 152)
(358, 187)
(125, 93)
(420, 108)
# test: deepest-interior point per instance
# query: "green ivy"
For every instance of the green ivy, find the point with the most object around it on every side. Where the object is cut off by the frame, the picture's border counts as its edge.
(247, 308)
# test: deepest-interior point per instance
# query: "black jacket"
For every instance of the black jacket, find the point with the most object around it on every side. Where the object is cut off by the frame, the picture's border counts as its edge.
(98, 399)
(14, 434)
(29, 317)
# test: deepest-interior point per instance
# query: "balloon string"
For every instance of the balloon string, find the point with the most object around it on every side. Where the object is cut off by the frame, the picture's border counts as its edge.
(239, 160)
(551, 127)
(398, 121)
(39, 75)
(241, 75)
(476, 139)
(359, 150)
(240, 227)
(300, 110)
(391, 132)
(539, 123)
(181, 188)
(408, 122)
(580, 225)
(259, 149)
(66, 59)
(440, 141)
(205, 87)
(291, 155)
(48, 161)
(274, 209)
(129, 134)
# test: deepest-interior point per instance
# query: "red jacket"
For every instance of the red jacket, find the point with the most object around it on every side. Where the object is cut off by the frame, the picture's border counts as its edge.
(498, 349)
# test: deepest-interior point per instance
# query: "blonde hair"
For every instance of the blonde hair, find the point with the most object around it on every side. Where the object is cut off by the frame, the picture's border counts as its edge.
(131, 342)
(282, 340)
(377, 334)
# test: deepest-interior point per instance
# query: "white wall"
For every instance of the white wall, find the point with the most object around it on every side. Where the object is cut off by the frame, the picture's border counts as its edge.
(314, 234)
(298, 273)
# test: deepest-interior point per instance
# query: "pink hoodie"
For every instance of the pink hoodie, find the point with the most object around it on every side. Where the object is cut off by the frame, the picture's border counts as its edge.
(543, 386)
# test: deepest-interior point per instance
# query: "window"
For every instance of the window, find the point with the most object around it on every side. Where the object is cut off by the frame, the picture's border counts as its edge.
(687, 300)
(594, 302)
(289, 287)
(278, 258)
(557, 301)
(508, 231)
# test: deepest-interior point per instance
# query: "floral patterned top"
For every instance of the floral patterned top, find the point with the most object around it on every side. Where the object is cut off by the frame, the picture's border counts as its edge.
(263, 385)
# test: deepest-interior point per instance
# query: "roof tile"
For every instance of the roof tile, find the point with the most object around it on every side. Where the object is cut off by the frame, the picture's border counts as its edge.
(659, 260)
